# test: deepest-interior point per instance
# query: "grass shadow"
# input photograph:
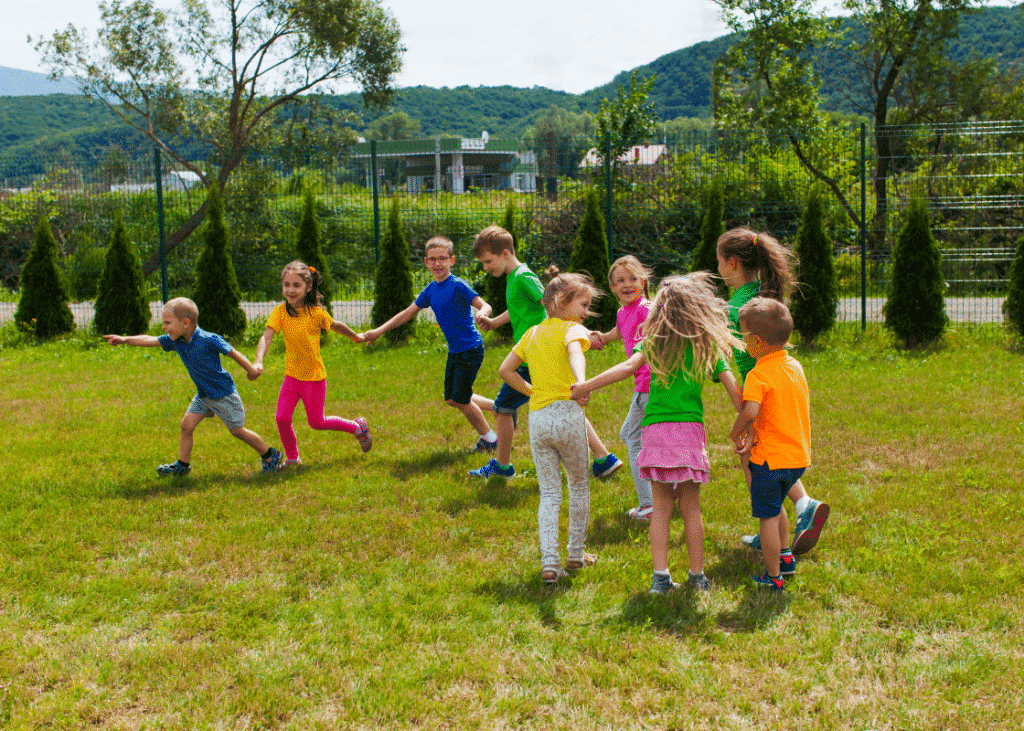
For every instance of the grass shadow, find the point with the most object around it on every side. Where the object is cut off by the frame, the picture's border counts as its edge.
(414, 466)
(759, 609)
(528, 589)
(677, 612)
(497, 492)
(616, 528)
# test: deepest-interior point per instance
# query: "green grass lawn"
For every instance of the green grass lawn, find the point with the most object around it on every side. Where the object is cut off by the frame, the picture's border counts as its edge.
(391, 590)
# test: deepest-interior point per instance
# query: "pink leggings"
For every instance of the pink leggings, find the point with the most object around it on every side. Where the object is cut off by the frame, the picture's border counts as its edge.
(312, 395)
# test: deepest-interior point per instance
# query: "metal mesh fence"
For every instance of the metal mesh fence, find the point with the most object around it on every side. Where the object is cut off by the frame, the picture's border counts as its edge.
(971, 175)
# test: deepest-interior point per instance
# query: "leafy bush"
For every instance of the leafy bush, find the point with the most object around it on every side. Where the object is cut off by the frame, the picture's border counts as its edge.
(309, 246)
(1013, 307)
(122, 307)
(815, 302)
(393, 280)
(590, 255)
(84, 268)
(43, 307)
(916, 309)
(216, 291)
(705, 255)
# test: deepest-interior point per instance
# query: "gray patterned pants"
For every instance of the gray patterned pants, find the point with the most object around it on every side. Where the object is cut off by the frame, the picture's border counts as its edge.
(558, 436)
(630, 436)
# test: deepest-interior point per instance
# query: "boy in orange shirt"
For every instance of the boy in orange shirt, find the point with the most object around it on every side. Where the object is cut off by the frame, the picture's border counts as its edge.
(774, 426)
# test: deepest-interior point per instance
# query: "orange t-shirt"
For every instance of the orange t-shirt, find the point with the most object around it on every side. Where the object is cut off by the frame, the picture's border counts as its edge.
(301, 340)
(783, 423)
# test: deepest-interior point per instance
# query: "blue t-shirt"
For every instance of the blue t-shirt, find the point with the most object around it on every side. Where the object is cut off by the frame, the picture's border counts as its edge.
(201, 356)
(451, 301)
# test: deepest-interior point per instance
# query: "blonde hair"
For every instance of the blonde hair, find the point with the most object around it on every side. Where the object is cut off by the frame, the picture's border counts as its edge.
(439, 242)
(311, 277)
(762, 254)
(563, 289)
(493, 240)
(632, 265)
(769, 319)
(182, 308)
(687, 313)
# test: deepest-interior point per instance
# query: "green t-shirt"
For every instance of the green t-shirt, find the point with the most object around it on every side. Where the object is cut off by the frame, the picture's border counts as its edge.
(681, 400)
(744, 361)
(523, 292)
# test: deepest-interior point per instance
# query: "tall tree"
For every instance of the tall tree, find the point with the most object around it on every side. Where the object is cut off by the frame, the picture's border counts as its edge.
(122, 307)
(395, 126)
(215, 290)
(705, 254)
(392, 285)
(590, 255)
(309, 245)
(815, 302)
(629, 119)
(768, 80)
(43, 305)
(220, 71)
(1013, 307)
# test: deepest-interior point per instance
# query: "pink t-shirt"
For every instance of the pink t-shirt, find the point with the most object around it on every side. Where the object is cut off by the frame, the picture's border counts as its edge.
(629, 319)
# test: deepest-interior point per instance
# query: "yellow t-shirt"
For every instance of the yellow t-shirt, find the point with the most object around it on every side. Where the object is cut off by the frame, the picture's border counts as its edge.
(543, 349)
(301, 340)
(783, 423)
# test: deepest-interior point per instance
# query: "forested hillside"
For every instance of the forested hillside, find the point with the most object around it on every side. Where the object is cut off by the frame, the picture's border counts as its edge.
(31, 124)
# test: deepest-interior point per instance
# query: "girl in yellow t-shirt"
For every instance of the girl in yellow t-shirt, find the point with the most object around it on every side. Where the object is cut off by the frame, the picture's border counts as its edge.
(300, 318)
(554, 350)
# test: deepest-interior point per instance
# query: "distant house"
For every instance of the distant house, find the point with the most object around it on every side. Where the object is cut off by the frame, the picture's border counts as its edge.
(453, 164)
(641, 155)
(173, 180)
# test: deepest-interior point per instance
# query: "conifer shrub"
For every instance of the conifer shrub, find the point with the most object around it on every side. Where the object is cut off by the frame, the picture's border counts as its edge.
(590, 255)
(122, 307)
(815, 300)
(705, 254)
(215, 290)
(1013, 307)
(494, 287)
(392, 288)
(43, 306)
(309, 246)
(915, 310)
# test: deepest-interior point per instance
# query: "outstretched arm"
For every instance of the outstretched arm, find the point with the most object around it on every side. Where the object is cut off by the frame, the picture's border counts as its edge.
(144, 341)
(616, 373)
(400, 319)
(507, 371)
(743, 433)
(732, 388)
(250, 370)
(599, 339)
(343, 329)
(493, 323)
(261, 349)
(482, 308)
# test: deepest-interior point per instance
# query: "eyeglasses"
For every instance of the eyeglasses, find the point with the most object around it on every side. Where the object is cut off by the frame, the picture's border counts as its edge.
(438, 260)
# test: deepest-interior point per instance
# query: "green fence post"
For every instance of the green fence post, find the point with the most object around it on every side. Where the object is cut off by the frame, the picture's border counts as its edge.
(160, 223)
(863, 229)
(608, 222)
(376, 203)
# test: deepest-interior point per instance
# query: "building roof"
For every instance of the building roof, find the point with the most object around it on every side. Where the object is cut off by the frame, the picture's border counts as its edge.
(448, 145)
(635, 155)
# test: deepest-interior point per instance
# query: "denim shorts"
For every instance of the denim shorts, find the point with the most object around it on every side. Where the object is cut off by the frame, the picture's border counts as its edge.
(508, 399)
(460, 374)
(768, 488)
(229, 409)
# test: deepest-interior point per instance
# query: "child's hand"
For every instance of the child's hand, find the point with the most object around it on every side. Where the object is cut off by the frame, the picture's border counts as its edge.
(745, 441)
(596, 343)
(580, 393)
(369, 336)
(358, 338)
(484, 323)
(256, 372)
(115, 339)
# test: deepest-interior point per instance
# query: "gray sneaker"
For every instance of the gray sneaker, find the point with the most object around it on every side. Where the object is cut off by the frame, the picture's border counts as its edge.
(698, 582)
(662, 584)
(753, 541)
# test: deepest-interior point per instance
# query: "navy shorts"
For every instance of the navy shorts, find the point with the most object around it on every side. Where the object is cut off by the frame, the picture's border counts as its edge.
(460, 374)
(508, 399)
(768, 488)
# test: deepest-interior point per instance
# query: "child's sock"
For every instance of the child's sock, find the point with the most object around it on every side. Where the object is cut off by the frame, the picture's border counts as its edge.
(490, 436)
(663, 572)
(265, 455)
(801, 504)
(692, 575)
(183, 464)
(504, 466)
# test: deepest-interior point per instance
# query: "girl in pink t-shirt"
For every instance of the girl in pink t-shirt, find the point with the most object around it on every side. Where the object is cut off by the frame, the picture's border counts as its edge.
(628, 279)
(300, 319)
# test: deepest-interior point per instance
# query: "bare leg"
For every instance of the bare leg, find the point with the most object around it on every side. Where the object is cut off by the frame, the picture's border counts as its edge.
(251, 438)
(797, 491)
(189, 422)
(505, 426)
(693, 524)
(664, 504)
(473, 415)
(597, 448)
(482, 403)
(771, 541)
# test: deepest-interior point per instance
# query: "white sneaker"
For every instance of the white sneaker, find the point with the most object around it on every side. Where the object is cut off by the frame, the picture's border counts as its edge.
(641, 512)
(297, 462)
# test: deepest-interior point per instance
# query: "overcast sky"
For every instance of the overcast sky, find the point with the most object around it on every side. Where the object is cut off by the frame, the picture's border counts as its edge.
(570, 45)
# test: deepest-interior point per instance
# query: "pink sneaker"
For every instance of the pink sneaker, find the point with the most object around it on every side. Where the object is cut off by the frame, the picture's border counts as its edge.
(297, 462)
(642, 512)
(363, 434)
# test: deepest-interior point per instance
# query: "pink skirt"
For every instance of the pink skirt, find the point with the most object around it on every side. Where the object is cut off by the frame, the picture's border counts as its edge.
(674, 451)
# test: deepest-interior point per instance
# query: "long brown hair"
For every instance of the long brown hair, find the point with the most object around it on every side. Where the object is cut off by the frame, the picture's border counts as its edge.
(762, 254)
(310, 276)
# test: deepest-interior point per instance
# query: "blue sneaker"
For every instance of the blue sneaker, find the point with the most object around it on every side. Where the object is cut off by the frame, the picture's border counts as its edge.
(493, 469)
(605, 467)
(808, 526)
(753, 542)
(787, 564)
(662, 584)
(482, 445)
(273, 462)
(698, 582)
(764, 581)
(174, 469)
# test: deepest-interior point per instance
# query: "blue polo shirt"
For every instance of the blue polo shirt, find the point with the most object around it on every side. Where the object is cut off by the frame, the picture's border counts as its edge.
(201, 356)
(451, 301)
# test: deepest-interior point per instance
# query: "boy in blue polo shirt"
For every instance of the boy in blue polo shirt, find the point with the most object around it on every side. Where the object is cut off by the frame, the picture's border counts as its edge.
(200, 351)
(452, 300)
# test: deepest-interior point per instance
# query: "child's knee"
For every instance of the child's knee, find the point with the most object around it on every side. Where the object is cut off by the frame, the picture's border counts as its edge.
(455, 404)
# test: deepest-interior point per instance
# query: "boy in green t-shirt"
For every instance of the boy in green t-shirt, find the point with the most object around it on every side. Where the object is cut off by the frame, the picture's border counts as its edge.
(495, 250)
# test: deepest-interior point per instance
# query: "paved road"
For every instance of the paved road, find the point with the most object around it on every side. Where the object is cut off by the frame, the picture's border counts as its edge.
(357, 313)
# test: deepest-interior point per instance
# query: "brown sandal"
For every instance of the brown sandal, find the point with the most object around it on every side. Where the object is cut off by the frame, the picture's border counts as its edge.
(575, 564)
(551, 574)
